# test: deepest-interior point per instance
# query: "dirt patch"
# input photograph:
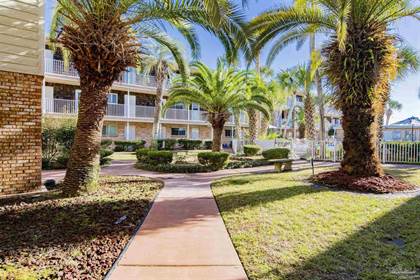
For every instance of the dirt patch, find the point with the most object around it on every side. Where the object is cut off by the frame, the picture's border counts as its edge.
(52, 237)
(384, 184)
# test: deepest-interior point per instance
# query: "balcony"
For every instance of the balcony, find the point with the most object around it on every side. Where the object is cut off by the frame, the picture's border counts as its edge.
(128, 78)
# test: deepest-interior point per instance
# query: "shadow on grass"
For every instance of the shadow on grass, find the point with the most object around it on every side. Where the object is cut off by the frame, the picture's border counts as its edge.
(236, 200)
(386, 249)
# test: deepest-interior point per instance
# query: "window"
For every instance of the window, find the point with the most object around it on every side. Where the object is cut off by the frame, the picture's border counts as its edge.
(336, 121)
(178, 131)
(396, 135)
(179, 106)
(113, 98)
(109, 130)
(229, 133)
(299, 98)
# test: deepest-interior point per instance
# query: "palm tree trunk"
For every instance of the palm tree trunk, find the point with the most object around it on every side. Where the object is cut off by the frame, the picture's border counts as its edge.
(158, 104)
(264, 126)
(217, 138)
(309, 104)
(293, 123)
(253, 125)
(238, 137)
(320, 93)
(83, 166)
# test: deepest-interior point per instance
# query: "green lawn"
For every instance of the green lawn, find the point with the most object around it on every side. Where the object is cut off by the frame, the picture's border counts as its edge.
(283, 228)
(123, 156)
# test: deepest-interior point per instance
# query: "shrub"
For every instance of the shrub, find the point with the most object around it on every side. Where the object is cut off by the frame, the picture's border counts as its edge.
(208, 145)
(128, 146)
(159, 157)
(246, 163)
(141, 154)
(251, 150)
(104, 156)
(277, 153)
(166, 144)
(50, 184)
(56, 143)
(174, 168)
(106, 144)
(187, 144)
(213, 160)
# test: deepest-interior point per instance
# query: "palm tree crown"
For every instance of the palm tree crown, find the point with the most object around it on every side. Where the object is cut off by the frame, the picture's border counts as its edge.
(219, 92)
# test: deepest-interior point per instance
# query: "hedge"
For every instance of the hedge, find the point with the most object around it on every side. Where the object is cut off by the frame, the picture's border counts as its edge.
(141, 154)
(208, 145)
(277, 153)
(106, 143)
(174, 168)
(251, 150)
(166, 144)
(128, 146)
(159, 157)
(187, 144)
(246, 163)
(213, 160)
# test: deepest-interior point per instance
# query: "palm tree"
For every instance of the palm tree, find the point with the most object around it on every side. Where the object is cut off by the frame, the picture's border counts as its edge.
(360, 62)
(221, 93)
(159, 60)
(292, 81)
(393, 105)
(103, 39)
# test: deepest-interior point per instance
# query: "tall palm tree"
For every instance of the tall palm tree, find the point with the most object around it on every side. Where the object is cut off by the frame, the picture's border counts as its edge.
(103, 39)
(393, 105)
(157, 59)
(221, 93)
(360, 62)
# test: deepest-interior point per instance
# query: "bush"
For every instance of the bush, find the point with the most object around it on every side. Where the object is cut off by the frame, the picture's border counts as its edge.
(208, 145)
(174, 168)
(56, 143)
(106, 144)
(251, 150)
(159, 157)
(128, 146)
(277, 153)
(50, 184)
(141, 154)
(166, 144)
(213, 160)
(104, 156)
(246, 163)
(187, 144)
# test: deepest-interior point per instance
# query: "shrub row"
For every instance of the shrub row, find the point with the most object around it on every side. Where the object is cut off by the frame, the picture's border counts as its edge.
(174, 168)
(247, 163)
(128, 146)
(213, 160)
(277, 153)
(183, 144)
(153, 157)
(251, 150)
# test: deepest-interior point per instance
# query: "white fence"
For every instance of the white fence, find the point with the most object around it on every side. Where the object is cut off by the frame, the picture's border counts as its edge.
(331, 150)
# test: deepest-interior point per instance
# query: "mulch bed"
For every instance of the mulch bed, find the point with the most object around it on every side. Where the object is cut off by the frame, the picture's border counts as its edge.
(384, 184)
(52, 237)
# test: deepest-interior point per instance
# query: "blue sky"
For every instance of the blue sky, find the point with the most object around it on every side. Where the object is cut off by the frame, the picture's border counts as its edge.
(405, 91)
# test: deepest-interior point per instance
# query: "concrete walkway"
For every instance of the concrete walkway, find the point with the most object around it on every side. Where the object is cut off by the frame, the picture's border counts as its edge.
(183, 236)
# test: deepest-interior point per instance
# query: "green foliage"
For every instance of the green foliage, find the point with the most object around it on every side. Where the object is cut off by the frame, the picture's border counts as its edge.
(128, 146)
(141, 154)
(105, 156)
(277, 153)
(106, 143)
(159, 157)
(251, 150)
(166, 144)
(246, 163)
(187, 144)
(174, 168)
(213, 160)
(208, 145)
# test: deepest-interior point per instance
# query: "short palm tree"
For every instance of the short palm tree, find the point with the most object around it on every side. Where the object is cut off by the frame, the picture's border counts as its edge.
(103, 39)
(360, 62)
(158, 60)
(221, 93)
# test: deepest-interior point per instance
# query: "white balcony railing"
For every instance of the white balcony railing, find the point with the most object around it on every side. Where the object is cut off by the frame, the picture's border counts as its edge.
(176, 114)
(131, 77)
(145, 111)
(115, 110)
(67, 106)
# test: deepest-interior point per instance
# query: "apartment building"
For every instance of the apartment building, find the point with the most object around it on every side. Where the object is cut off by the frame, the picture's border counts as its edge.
(130, 106)
(407, 130)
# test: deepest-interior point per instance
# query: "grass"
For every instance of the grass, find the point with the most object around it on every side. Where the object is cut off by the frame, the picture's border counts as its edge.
(283, 228)
(49, 236)
(123, 156)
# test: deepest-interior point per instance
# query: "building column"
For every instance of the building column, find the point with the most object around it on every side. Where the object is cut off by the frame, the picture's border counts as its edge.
(188, 131)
